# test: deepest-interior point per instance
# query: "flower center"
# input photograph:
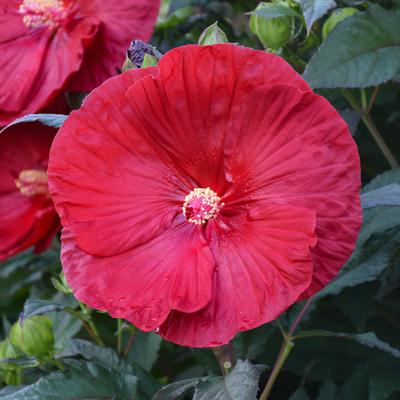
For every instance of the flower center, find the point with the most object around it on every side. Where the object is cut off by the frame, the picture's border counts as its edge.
(38, 13)
(32, 182)
(200, 205)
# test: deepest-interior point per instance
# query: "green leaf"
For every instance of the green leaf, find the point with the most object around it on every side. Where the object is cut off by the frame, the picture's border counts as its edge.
(368, 339)
(241, 383)
(314, 10)
(102, 356)
(212, 35)
(52, 120)
(23, 270)
(299, 394)
(388, 195)
(81, 380)
(275, 10)
(352, 119)
(107, 358)
(174, 390)
(377, 242)
(145, 350)
(356, 386)
(383, 382)
(39, 307)
(367, 267)
(327, 391)
(362, 51)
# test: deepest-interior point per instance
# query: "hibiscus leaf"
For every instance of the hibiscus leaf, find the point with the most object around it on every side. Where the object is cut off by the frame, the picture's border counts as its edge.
(39, 307)
(146, 349)
(384, 381)
(52, 120)
(175, 390)
(241, 383)
(368, 339)
(80, 380)
(367, 266)
(352, 119)
(107, 358)
(327, 391)
(299, 394)
(314, 10)
(102, 356)
(388, 195)
(377, 242)
(362, 51)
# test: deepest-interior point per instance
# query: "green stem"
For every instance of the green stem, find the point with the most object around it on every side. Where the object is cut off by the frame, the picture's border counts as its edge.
(89, 325)
(282, 357)
(369, 123)
(225, 358)
(131, 340)
(364, 101)
(286, 348)
(373, 98)
(119, 335)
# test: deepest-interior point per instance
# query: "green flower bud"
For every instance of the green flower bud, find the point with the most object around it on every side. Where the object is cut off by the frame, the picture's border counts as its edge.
(34, 337)
(212, 35)
(9, 374)
(337, 16)
(7, 350)
(274, 33)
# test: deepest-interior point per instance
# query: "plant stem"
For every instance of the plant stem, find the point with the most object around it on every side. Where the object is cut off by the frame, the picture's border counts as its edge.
(119, 335)
(372, 99)
(131, 340)
(364, 101)
(89, 325)
(225, 357)
(283, 355)
(366, 118)
(286, 348)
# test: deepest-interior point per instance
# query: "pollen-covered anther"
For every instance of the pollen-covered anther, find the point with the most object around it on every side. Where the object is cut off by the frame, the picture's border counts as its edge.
(39, 13)
(32, 182)
(200, 205)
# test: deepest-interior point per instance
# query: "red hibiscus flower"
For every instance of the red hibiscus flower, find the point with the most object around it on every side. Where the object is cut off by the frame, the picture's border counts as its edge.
(27, 215)
(204, 196)
(45, 42)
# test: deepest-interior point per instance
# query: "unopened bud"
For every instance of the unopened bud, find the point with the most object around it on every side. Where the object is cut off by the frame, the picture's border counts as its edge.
(9, 374)
(212, 35)
(34, 336)
(136, 54)
(274, 33)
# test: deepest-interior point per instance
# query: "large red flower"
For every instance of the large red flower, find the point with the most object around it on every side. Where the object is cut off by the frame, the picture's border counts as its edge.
(43, 43)
(27, 215)
(203, 197)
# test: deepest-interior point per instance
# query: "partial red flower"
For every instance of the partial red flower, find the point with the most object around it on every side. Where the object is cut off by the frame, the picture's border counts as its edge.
(205, 196)
(27, 215)
(47, 46)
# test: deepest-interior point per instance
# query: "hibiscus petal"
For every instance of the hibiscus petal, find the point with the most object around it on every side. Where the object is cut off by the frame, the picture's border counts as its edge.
(24, 221)
(121, 22)
(300, 153)
(111, 207)
(36, 65)
(186, 109)
(263, 263)
(172, 271)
